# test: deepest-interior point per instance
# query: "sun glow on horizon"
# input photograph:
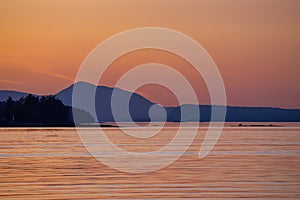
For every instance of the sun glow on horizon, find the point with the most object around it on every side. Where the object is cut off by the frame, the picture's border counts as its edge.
(255, 44)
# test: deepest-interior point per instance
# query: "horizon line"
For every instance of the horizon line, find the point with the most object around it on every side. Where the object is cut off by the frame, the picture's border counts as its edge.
(85, 82)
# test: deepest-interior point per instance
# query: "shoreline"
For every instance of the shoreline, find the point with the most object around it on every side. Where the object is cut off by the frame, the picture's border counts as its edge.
(150, 124)
(62, 125)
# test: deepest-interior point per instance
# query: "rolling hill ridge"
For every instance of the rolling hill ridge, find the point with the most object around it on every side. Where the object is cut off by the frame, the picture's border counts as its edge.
(139, 108)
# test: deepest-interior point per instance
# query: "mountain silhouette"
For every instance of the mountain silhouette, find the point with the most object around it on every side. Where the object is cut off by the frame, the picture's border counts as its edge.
(141, 109)
(138, 106)
(240, 114)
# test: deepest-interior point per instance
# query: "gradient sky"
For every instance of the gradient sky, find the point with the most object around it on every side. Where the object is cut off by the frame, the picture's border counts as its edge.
(255, 44)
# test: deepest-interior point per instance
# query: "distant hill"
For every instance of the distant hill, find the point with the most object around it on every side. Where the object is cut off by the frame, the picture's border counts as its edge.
(139, 107)
(241, 114)
(4, 94)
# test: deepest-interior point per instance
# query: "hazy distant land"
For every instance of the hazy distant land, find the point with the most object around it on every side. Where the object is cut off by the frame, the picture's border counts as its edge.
(32, 110)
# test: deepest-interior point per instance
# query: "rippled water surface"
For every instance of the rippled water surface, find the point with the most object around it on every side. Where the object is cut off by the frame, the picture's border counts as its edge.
(40, 163)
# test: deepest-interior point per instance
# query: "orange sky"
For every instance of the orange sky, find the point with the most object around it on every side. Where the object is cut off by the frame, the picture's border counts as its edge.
(255, 43)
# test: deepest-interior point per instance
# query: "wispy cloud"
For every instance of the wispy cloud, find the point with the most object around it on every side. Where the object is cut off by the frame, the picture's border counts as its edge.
(54, 75)
(10, 82)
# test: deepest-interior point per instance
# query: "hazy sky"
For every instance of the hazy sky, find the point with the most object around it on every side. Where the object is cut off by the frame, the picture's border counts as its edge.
(255, 43)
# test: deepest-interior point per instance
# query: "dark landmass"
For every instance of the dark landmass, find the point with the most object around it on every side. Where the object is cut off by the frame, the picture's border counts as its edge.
(242, 114)
(138, 105)
(45, 111)
(16, 124)
(257, 125)
(20, 124)
(34, 110)
(139, 108)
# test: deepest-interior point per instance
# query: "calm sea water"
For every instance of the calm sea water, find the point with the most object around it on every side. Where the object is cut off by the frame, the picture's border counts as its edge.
(52, 163)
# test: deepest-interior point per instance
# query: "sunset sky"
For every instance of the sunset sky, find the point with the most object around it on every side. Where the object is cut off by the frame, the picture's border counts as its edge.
(255, 44)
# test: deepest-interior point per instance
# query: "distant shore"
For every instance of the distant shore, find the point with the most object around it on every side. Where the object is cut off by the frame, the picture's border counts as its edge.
(150, 124)
(11, 124)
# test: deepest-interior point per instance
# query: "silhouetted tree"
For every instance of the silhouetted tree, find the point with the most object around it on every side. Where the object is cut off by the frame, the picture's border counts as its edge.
(9, 109)
(43, 110)
(34, 109)
(52, 110)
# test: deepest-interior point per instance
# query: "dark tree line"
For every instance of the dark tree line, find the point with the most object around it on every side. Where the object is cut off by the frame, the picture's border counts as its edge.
(34, 109)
